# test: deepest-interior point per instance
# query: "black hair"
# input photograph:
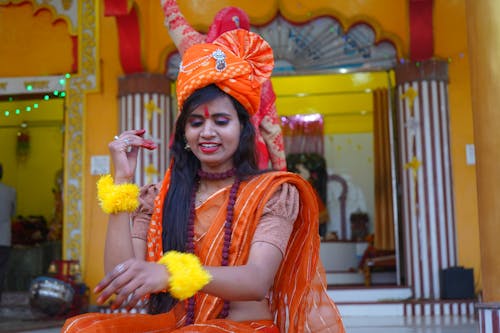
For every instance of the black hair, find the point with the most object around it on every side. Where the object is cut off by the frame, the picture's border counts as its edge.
(176, 207)
(1, 170)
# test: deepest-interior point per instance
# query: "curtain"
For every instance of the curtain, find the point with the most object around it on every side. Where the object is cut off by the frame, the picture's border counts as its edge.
(384, 217)
(303, 134)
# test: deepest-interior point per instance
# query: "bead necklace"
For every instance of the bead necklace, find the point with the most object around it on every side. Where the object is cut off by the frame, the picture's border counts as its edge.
(227, 231)
(217, 176)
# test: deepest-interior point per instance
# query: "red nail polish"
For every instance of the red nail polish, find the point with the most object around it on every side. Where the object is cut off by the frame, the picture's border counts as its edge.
(149, 146)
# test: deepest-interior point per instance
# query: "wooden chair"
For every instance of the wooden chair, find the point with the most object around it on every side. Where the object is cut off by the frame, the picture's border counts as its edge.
(376, 260)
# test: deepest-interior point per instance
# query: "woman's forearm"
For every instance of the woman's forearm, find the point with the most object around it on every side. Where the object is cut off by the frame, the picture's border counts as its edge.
(250, 282)
(237, 283)
(118, 246)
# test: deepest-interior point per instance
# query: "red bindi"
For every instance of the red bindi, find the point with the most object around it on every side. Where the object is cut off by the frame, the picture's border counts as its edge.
(205, 112)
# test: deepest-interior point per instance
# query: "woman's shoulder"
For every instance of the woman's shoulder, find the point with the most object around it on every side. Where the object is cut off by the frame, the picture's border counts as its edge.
(277, 184)
(280, 176)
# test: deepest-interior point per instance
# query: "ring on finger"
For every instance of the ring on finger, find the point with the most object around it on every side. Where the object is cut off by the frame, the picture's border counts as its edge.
(127, 143)
(127, 300)
(128, 147)
(120, 268)
(117, 137)
(130, 296)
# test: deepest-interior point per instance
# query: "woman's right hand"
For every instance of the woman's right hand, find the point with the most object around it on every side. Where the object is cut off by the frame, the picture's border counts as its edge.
(130, 281)
(124, 150)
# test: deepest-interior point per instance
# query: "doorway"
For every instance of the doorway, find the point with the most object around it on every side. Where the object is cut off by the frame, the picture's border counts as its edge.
(322, 68)
(346, 104)
(32, 154)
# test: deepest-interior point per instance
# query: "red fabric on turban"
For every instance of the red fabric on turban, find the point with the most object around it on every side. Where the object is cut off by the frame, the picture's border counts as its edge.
(227, 19)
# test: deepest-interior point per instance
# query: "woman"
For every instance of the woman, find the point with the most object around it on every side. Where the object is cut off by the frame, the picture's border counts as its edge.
(246, 240)
(268, 134)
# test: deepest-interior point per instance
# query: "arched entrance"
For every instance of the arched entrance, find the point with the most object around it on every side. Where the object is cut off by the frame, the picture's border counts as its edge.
(322, 68)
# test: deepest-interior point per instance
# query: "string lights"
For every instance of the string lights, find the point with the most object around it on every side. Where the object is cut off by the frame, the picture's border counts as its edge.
(23, 105)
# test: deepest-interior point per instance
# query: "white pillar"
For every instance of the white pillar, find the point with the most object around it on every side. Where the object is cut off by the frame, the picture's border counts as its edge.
(145, 103)
(426, 175)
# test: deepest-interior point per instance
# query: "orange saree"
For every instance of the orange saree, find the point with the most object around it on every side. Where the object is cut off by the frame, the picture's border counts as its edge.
(298, 299)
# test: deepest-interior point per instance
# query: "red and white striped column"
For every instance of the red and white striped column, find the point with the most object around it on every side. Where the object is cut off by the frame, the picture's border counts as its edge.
(489, 317)
(145, 103)
(427, 189)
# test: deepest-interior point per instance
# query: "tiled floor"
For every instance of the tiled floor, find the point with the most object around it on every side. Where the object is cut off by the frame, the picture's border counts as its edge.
(29, 324)
(410, 325)
(376, 325)
(17, 316)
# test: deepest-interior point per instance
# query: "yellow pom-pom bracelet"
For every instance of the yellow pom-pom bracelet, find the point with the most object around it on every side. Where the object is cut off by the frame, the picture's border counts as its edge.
(187, 275)
(117, 198)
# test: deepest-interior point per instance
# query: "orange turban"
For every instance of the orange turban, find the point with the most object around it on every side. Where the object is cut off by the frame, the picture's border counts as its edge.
(238, 62)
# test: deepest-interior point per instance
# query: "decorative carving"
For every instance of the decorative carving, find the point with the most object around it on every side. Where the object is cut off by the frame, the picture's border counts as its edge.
(321, 45)
(79, 85)
(40, 84)
(32, 85)
(66, 10)
(67, 4)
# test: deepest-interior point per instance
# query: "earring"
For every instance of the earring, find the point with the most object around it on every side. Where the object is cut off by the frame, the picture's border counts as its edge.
(187, 147)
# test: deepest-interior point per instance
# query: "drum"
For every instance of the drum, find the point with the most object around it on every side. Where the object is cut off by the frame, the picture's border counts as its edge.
(51, 296)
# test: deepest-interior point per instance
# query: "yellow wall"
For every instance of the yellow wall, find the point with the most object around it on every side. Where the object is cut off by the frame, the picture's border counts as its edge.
(450, 34)
(33, 44)
(388, 17)
(483, 35)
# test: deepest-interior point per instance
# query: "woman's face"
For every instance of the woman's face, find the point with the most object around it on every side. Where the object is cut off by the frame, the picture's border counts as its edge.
(213, 132)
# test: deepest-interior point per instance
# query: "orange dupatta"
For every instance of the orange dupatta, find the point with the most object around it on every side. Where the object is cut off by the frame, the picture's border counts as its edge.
(299, 300)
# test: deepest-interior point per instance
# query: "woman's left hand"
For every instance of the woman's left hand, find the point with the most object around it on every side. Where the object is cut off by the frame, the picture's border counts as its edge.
(131, 281)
